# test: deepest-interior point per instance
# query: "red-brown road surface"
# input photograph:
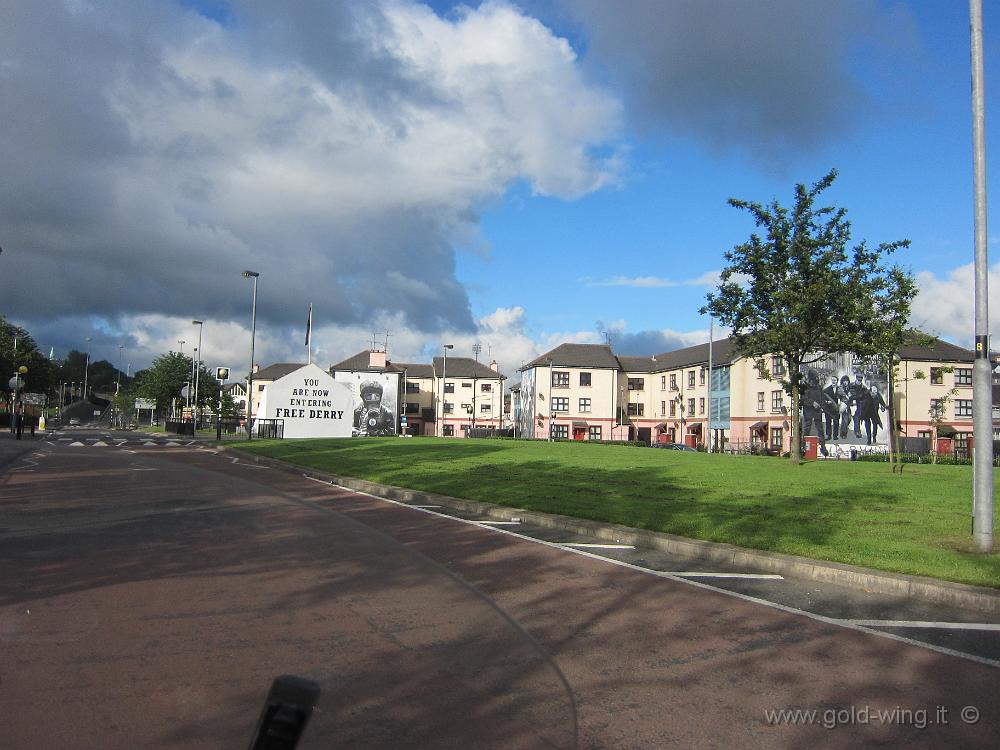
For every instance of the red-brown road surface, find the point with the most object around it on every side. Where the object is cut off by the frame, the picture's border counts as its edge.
(147, 599)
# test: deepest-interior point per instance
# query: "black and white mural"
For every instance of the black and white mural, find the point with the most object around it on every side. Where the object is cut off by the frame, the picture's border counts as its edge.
(526, 421)
(375, 402)
(844, 403)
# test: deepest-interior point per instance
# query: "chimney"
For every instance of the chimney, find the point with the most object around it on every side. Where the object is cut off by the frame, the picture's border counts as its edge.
(376, 359)
(494, 366)
(256, 369)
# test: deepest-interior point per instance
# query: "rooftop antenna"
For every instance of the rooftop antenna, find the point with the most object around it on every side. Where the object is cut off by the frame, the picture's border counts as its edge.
(476, 348)
(387, 342)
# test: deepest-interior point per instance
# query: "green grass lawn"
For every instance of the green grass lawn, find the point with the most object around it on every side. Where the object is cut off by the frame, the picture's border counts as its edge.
(856, 513)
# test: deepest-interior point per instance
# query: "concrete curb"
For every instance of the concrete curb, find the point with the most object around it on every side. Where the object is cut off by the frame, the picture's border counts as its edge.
(875, 581)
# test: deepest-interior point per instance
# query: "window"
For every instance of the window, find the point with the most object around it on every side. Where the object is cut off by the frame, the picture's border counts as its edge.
(777, 438)
(635, 410)
(485, 408)
(448, 430)
(585, 378)
(449, 387)
(466, 385)
(486, 387)
(701, 406)
(937, 375)
(760, 400)
(636, 384)
(777, 400)
(673, 382)
(412, 408)
(924, 434)
(777, 367)
(560, 431)
(260, 388)
(937, 408)
(701, 377)
(560, 404)
(663, 382)
(963, 407)
(412, 387)
(584, 404)
(663, 408)
(594, 432)
(673, 408)
(690, 406)
(448, 407)
(963, 376)
(691, 379)
(560, 379)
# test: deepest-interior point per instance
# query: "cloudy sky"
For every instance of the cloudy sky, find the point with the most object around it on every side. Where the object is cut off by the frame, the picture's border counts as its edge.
(516, 175)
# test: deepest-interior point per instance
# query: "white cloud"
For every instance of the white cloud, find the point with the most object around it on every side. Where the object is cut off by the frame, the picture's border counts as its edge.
(707, 279)
(341, 150)
(945, 306)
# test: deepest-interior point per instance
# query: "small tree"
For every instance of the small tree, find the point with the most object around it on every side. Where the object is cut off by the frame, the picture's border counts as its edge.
(799, 294)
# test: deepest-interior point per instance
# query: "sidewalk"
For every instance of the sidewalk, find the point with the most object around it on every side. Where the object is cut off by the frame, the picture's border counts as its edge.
(11, 449)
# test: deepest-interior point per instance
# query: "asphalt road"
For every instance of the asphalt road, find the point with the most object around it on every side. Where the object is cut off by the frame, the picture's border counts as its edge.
(150, 592)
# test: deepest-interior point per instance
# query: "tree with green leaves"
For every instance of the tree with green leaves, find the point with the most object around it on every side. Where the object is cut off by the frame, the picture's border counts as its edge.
(41, 374)
(798, 292)
(163, 381)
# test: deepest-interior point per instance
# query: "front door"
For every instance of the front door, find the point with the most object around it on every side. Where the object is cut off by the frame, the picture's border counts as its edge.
(579, 433)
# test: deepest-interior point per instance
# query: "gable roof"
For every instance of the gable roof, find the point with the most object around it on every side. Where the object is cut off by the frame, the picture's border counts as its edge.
(360, 362)
(279, 370)
(415, 370)
(935, 351)
(723, 351)
(464, 367)
(639, 364)
(577, 355)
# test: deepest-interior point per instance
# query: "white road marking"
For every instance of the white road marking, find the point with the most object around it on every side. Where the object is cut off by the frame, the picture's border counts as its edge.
(708, 587)
(701, 574)
(143, 468)
(598, 546)
(126, 450)
(99, 443)
(498, 523)
(149, 442)
(172, 443)
(77, 444)
(426, 506)
(192, 442)
(235, 460)
(992, 626)
(50, 442)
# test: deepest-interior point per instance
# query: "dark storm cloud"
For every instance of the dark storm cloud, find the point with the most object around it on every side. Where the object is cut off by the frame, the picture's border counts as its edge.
(766, 77)
(109, 219)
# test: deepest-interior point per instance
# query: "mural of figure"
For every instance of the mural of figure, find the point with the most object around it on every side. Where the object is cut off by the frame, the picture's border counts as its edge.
(873, 420)
(837, 399)
(815, 405)
(860, 398)
(845, 406)
(371, 418)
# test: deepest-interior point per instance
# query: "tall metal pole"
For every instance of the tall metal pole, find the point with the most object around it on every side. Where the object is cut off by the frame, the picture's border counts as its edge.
(982, 393)
(444, 376)
(711, 336)
(253, 334)
(197, 371)
(86, 368)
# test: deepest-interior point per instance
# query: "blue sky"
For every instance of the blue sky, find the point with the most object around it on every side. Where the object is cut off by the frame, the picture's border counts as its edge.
(515, 175)
(905, 172)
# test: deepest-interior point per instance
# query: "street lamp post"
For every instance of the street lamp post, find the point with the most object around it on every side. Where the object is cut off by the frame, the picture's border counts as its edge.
(86, 368)
(253, 334)
(551, 412)
(197, 371)
(444, 377)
